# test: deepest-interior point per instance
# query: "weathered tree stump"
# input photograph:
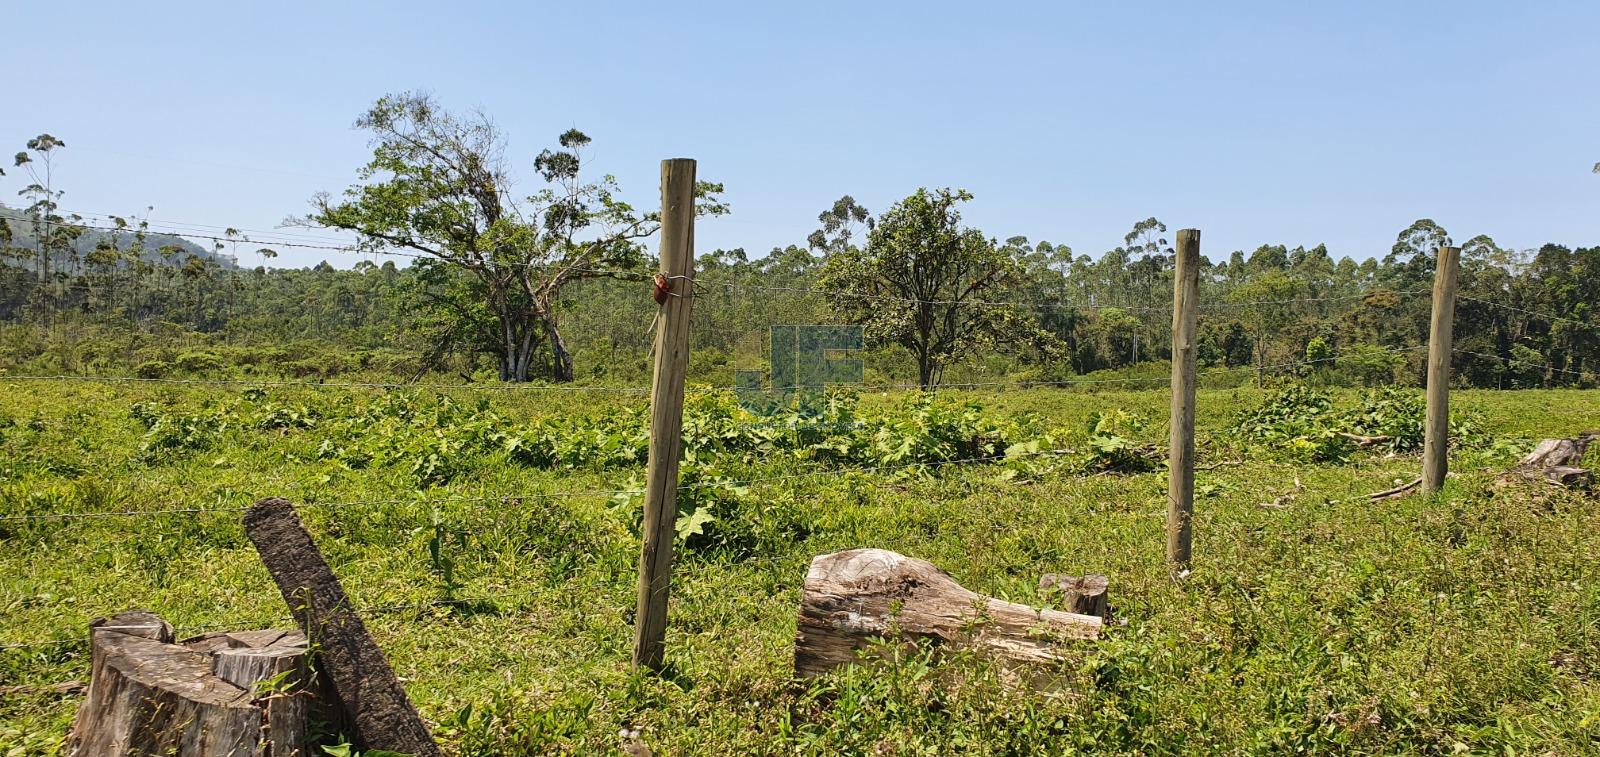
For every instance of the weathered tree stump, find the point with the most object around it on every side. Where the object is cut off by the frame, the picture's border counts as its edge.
(1084, 595)
(853, 597)
(200, 698)
(1557, 461)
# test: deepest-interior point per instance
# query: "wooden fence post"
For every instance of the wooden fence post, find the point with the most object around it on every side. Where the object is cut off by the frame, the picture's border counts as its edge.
(1180, 445)
(666, 411)
(1436, 443)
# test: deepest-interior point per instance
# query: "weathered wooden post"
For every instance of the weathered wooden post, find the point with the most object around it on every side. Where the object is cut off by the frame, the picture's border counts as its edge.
(666, 410)
(1180, 445)
(1436, 443)
(373, 701)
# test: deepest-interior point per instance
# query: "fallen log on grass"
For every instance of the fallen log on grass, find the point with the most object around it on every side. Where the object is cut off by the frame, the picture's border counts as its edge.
(225, 694)
(858, 596)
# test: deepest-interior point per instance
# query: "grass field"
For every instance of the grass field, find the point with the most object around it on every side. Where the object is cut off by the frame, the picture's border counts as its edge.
(1463, 623)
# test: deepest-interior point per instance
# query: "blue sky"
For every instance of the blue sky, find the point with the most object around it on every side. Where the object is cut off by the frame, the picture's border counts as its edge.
(1270, 122)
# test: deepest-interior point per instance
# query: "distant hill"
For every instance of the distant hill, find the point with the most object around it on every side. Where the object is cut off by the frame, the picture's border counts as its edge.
(22, 236)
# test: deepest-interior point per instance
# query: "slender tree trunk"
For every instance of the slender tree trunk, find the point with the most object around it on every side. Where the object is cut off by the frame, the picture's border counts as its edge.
(924, 369)
(519, 354)
(509, 353)
(1261, 362)
(526, 346)
(558, 351)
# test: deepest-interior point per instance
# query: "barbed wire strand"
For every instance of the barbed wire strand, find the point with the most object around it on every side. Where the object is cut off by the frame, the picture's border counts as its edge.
(507, 498)
(313, 505)
(1546, 316)
(1541, 366)
(507, 387)
(247, 624)
(513, 387)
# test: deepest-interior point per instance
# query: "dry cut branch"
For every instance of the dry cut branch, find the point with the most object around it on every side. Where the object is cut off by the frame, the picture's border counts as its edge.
(1397, 490)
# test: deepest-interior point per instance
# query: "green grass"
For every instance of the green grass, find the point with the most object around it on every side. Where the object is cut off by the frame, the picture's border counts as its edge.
(1462, 623)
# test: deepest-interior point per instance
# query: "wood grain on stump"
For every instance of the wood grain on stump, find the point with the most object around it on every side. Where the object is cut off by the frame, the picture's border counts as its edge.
(147, 695)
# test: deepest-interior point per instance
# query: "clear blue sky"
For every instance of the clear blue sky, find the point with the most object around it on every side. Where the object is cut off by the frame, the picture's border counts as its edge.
(1267, 122)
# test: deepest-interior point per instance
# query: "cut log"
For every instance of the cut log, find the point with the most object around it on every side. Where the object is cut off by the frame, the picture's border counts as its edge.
(1084, 595)
(1553, 452)
(147, 695)
(854, 597)
(373, 703)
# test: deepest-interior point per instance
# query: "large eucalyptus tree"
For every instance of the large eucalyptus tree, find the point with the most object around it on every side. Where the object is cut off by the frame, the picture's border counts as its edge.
(439, 186)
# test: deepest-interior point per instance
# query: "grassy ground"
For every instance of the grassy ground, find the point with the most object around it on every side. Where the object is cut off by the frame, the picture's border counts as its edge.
(1464, 623)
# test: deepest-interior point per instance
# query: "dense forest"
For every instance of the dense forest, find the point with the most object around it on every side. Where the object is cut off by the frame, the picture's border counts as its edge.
(469, 289)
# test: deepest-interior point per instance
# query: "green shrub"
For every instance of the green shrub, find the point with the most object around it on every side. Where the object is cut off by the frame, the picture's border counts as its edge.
(153, 369)
(1293, 420)
(1302, 423)
(1111, 443)
(200, 363)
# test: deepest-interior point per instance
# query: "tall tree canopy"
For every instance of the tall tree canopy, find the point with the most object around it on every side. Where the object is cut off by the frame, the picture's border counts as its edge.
(439, 185)
(922, 281)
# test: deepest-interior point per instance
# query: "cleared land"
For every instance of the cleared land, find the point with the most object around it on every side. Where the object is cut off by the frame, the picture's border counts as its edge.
(1469, 622)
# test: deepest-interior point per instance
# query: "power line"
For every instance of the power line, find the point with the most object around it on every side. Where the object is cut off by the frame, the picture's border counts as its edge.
(356, 249)
(214, 238)
(137, 225)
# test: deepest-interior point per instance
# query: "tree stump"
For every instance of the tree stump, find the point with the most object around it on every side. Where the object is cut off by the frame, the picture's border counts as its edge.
(853, 597)
(200, 698)
(1557, 461)
(1084, 595)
